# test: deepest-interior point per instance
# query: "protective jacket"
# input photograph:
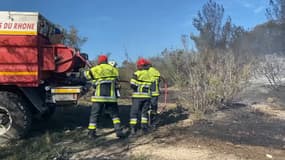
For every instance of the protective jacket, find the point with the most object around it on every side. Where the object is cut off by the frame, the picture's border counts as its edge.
(104, 77)
(155, 81)
(141, 84)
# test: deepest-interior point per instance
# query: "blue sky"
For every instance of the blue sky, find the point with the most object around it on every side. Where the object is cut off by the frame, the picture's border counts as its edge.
(140, 27)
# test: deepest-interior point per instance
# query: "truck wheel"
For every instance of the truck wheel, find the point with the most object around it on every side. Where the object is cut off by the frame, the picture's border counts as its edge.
(15, 118)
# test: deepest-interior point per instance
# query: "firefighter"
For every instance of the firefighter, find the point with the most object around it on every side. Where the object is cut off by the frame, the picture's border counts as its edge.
(118, 87)
(104, 77)
(155, 92)
(113, 63)
(141, 85)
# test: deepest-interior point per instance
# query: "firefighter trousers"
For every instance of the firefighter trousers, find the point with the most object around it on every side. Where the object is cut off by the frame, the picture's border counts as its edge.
(154, 103)
(97, 110)
(140, 106)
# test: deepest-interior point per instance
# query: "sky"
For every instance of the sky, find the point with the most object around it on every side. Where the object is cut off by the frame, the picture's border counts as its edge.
(140, 28)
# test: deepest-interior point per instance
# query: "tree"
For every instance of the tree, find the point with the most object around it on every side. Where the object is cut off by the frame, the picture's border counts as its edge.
(213, 34)
(268, 38)
(208, 23)
(276, 11)
(72, 38)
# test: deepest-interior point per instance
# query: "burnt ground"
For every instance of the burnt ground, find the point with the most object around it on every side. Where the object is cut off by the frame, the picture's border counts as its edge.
(253, 129)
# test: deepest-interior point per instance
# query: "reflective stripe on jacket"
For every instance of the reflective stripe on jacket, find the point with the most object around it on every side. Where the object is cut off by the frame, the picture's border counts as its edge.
(141, 83)
(156, 79)
(104, 78)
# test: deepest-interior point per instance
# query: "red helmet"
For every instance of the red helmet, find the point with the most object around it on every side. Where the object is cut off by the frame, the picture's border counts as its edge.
(147, 62)
(141, 62)
(102, 58)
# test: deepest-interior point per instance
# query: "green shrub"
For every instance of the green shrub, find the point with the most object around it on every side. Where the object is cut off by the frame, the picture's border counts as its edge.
(205, 80)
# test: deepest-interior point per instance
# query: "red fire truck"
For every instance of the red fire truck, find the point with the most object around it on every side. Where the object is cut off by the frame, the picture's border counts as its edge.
(36, 72)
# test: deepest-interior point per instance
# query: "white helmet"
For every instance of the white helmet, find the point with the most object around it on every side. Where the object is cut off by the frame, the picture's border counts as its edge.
(113, 63)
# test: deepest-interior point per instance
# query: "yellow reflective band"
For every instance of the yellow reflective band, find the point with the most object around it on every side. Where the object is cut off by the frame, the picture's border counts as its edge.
(155, 94)
(11, 73)
(144, 83)
(113, 89)
(133, 81)
(116, 121)
(141, 95)
(104, 100)
(98, 90)
(18, 32)
(65, 90)
(133, 121)
(91, 127)
(144, 120)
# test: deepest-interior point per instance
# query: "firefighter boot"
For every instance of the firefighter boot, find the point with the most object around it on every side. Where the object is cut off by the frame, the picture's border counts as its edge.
(92, 134)
(154, 121)
(119, 132)
(133, 131)
(144, 128)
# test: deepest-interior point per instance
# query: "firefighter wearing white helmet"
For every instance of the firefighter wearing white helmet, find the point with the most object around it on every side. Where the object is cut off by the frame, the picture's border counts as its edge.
(113, 63)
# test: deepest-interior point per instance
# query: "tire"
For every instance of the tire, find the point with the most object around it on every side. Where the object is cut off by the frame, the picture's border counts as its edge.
(15, 117)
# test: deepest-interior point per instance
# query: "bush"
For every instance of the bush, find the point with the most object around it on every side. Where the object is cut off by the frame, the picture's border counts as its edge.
(205, 80)
(273, 68)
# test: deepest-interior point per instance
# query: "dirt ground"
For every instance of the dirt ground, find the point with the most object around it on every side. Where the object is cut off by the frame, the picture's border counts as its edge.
(232, 134)
(251, 129)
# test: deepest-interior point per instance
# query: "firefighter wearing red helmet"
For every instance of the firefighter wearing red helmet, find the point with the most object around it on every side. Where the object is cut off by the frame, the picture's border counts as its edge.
(155, 92)
(141, 85)
(104, 79)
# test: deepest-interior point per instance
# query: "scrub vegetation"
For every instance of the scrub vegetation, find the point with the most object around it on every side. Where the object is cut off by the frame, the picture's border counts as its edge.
(225, 100)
